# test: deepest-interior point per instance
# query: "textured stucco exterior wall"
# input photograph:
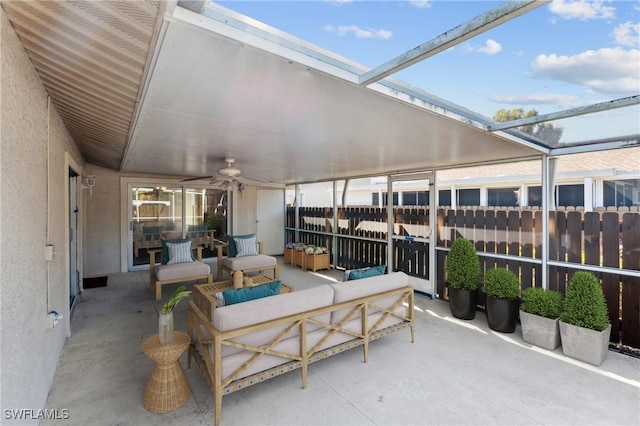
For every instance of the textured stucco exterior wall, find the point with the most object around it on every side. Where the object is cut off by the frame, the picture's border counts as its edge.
(102, 237)
(29, 286)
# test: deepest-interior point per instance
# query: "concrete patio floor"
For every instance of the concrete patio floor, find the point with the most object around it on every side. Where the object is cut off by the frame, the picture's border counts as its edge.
(456, 372)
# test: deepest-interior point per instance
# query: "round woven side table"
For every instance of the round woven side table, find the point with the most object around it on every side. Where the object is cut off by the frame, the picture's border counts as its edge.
(168, 387)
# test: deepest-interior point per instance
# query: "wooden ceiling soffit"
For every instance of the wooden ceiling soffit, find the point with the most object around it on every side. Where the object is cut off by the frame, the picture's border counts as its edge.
(92, 57)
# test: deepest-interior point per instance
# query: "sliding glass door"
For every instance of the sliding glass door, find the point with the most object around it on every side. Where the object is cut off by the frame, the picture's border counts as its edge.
(171, 212)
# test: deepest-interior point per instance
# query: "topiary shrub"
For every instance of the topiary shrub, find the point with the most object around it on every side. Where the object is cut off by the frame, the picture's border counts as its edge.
(584, 303)
(463, 265)
(541, 302)
(501, 283)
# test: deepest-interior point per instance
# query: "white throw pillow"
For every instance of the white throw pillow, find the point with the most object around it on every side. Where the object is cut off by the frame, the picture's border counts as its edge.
(246, 246)
(219, 299)
(179, 253)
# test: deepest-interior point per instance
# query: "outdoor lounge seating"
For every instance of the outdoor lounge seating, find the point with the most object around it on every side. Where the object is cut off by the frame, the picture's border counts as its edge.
(149, 238)
(250, 342)
(201, 235)
(172, 271)
(250, 260)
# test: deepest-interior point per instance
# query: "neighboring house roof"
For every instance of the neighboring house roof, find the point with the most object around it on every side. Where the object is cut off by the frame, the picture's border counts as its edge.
(604, 163)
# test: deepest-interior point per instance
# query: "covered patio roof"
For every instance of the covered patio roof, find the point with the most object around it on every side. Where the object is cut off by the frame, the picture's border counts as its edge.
(174, 91)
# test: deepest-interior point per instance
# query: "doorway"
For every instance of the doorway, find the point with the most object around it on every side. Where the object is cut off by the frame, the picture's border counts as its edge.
(74, 274)
(172, 211)
(411, 245)
(270, 220)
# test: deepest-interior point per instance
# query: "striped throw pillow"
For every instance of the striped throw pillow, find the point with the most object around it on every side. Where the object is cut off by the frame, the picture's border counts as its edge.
(179, 253)
(246, 246)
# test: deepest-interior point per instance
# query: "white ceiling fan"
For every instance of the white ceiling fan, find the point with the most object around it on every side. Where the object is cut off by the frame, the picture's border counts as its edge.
(229, 178)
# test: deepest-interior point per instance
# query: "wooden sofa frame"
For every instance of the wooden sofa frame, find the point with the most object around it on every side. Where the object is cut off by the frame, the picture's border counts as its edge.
(156, 284)
(211, 365)
(221, 247)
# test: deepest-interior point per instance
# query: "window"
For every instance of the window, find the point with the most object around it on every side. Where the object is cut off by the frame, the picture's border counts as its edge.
(534, 194)
(570, 195)
(503, 197)
(621, 193)
(415, 198)
(395, 198)
(444, 197)
(469, 197)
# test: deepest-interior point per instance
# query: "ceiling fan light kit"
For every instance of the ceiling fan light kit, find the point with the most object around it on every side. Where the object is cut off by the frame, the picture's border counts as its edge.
(230, 179)
(229, 171)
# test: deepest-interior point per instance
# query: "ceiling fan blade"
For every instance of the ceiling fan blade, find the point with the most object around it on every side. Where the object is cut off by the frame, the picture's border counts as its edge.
(260, 182)
(196, 178)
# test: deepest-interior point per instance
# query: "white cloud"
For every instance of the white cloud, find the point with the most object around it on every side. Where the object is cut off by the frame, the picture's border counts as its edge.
(561, 101)
(627, 34)
(343, 30)
(421, 4)
(610, 71)
(491, 47)
(582, 9)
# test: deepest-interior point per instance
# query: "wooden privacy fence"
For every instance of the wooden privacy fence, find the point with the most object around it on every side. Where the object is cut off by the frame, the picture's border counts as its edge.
(601, 238)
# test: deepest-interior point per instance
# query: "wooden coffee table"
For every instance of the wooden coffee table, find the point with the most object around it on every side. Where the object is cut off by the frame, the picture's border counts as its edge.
(204, 295)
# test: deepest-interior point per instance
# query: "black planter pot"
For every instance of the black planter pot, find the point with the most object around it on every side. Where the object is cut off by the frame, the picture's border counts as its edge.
(502, 314)
(463, 303)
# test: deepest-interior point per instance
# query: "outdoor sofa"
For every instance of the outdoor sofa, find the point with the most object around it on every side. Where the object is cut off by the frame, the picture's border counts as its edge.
(250, 342)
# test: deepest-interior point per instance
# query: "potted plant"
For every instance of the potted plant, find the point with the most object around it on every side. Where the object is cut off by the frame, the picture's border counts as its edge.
(584, 322)
(288, 252)
(502, 289)
(213, 222)
(165, 319)
(463, 278)
(539, 315)
(316, 257)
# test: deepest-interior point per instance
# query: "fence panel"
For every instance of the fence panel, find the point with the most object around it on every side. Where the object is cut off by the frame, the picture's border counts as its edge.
(611, 257)
(630, 315)
(526, 238)
(513, 240)
(605, 238)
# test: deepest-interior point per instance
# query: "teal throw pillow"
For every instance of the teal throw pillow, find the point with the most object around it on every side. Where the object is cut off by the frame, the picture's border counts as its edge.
(197, 228)
(366, 273)
(165, 249)
(233, 249)
(152, 232)
(231, 297)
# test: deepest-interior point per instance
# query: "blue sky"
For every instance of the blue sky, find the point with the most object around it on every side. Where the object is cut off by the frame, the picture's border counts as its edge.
(561, 55)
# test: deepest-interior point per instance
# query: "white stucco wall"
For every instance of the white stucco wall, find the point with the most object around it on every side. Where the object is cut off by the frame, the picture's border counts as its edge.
(32, 214)
(102, 227)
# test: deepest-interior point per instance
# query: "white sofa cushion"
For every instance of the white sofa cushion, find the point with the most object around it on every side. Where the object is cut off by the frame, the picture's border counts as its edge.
(246, 262)
(182, 270)
(255, 311)
(268, 308)
(355, 289)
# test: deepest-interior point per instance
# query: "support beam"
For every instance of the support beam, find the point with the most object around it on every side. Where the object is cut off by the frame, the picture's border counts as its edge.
(571, 112)
(499, 15)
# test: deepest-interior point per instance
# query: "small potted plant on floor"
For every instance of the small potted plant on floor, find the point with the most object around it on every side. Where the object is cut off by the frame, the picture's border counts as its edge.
(502, 290)
(539, 315)
(584, 322)
(463, 279)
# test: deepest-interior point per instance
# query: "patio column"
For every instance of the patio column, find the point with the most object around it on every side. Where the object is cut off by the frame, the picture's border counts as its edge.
(548, 202)
(389, 224)
(588, 194)
(296, 203)
(454, 197)
(335, 231)
(433, 213)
